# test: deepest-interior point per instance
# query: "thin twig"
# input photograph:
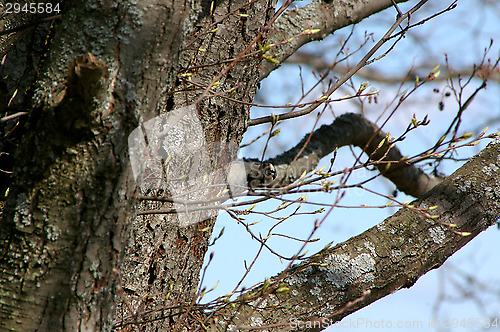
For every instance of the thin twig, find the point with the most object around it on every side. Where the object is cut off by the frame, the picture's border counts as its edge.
(344, 79)
(13, 116)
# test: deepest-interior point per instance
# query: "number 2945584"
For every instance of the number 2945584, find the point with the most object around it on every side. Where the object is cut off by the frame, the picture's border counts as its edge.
(32, 8)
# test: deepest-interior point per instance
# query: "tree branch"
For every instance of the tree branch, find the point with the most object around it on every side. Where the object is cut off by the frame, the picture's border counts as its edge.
(327, 17)
(363, 62)
(382, 260)
(351, 129)
(372, 74)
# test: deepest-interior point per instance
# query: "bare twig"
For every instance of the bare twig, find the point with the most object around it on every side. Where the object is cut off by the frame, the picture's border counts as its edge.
(344, 79)
(13, 116)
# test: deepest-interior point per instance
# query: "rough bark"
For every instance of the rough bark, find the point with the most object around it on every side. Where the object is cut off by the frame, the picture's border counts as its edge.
(73, 254)
(168, 277)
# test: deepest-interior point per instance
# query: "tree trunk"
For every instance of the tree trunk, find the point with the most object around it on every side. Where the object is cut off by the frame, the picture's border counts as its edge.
(74, 255)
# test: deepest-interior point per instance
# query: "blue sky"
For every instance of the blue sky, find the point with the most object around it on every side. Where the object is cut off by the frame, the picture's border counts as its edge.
(462, 34)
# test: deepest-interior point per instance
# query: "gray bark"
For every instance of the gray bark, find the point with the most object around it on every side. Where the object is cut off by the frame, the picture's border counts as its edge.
(73, 254)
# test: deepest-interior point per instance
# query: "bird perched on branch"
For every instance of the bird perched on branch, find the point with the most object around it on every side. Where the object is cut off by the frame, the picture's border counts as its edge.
(259, 174)
(249, 174)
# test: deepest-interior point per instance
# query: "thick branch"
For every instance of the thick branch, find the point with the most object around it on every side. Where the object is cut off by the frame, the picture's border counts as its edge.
(327, 17)
(351, 129)
(385, 258)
